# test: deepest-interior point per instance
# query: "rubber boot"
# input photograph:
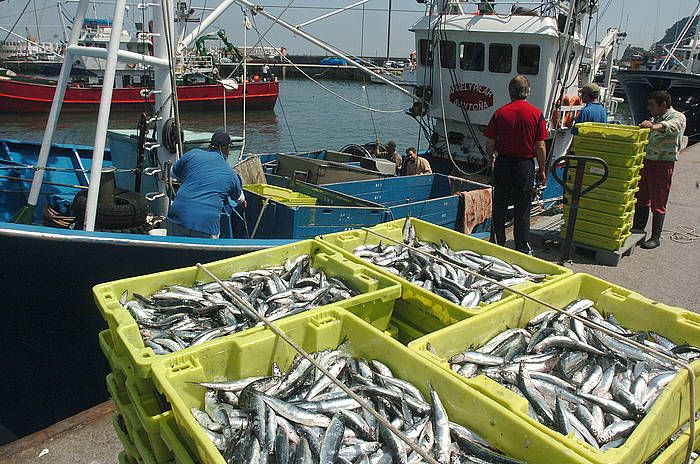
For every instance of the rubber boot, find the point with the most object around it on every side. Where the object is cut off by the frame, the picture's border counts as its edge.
(641, 217)
(657, 225)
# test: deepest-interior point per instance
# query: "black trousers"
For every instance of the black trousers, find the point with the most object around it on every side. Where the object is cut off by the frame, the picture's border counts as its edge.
(513, 180)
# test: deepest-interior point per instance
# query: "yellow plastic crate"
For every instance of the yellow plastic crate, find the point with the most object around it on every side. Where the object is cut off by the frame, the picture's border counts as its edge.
(347, 241)
(611, 183)
(609, 231)
(173, 439)
(123, 435)
(596, 171)
(605, 207)
(598, 241)
(598, 217)
(675, 453)
(253, 354)
(282, 195)
(631, 309)
(619, 150)
(621, 197)
(149, 412)
(613, 132)
(375, 301)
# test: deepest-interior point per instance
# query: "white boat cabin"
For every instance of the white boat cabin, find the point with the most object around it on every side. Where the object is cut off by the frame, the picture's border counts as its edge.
(468, 59)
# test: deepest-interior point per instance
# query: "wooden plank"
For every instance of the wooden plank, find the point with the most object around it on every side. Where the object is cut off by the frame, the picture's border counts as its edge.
(37, 438)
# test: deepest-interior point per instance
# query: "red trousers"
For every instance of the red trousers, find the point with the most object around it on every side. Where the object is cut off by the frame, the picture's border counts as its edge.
(655, 185)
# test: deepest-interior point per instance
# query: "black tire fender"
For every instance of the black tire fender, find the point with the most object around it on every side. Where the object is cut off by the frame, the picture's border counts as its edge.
(129, 210)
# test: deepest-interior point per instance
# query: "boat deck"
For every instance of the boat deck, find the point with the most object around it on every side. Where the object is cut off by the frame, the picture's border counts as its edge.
(89, 438)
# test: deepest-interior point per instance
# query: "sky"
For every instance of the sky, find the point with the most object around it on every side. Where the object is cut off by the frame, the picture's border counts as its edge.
(644, 21)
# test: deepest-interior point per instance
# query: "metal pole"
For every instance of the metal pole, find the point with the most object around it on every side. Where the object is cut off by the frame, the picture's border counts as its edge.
(56, 105)
(246, 26)
(163, 101)
(318, 43)
(124, 56)
(103, 115)
(388, 34)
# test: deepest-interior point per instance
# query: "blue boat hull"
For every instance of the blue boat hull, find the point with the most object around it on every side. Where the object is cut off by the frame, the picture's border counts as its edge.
(52, 364)
(431, 198)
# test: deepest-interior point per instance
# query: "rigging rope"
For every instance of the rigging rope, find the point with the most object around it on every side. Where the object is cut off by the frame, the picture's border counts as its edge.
(375, 110)
(284, 114)
(247, 52)
(683, 234)
(17, 20)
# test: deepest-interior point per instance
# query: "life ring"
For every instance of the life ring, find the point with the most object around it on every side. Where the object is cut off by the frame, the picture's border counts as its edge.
(131, 65)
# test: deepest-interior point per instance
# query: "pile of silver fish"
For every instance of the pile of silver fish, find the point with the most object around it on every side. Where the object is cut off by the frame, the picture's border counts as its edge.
(301, 417)
(575, 378)
(178, 317)
(446, 280)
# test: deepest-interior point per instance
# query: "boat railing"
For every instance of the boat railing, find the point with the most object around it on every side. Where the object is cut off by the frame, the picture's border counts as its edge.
(200, 64)
(484, 6)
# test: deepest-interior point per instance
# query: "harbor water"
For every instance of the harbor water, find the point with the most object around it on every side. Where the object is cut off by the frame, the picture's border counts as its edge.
(306, 117)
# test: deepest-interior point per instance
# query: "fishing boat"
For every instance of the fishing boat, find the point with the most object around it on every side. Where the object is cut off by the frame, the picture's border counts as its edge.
(25, 94)
(53, 269)
(467, 54)
(678, 73)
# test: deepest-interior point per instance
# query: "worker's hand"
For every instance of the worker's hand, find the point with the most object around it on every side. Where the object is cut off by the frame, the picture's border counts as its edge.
(244, 204)
(493, 160)
(542, 176)
(646, 124)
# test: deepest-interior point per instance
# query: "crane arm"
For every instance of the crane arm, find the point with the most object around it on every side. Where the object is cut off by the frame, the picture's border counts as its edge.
(229, 46)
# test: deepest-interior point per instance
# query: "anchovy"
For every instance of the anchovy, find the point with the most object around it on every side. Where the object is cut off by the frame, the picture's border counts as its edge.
(272, 422)
(575, 377)
(177, 317)
(447, 278)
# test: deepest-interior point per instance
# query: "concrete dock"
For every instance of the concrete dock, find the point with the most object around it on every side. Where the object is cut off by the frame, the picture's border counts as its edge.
(669, 274)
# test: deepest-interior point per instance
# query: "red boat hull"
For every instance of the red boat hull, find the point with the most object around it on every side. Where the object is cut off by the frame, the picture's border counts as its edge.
(30, 97)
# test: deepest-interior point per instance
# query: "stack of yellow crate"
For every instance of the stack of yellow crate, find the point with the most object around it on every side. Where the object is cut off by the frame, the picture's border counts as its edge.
(605, 214)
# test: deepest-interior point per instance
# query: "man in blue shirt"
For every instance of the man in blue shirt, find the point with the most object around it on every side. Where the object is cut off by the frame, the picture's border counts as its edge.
(594, 111)
(206, 181)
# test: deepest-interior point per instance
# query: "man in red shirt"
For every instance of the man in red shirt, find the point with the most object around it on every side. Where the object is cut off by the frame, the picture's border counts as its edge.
(517, 131)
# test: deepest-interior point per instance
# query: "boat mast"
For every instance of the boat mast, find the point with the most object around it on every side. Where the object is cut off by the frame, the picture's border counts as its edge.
(27, 213)
(103, 115)
(388, 33)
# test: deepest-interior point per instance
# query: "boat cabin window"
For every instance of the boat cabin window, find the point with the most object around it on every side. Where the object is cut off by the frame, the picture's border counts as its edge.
(500, 58)
(126, 80)
(471, 56)
(426, 53)
(528, 59)
(448, 54)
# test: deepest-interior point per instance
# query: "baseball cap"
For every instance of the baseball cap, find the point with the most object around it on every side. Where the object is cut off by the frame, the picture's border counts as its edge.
(391, 143)
(220, 139)
(591, 89)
